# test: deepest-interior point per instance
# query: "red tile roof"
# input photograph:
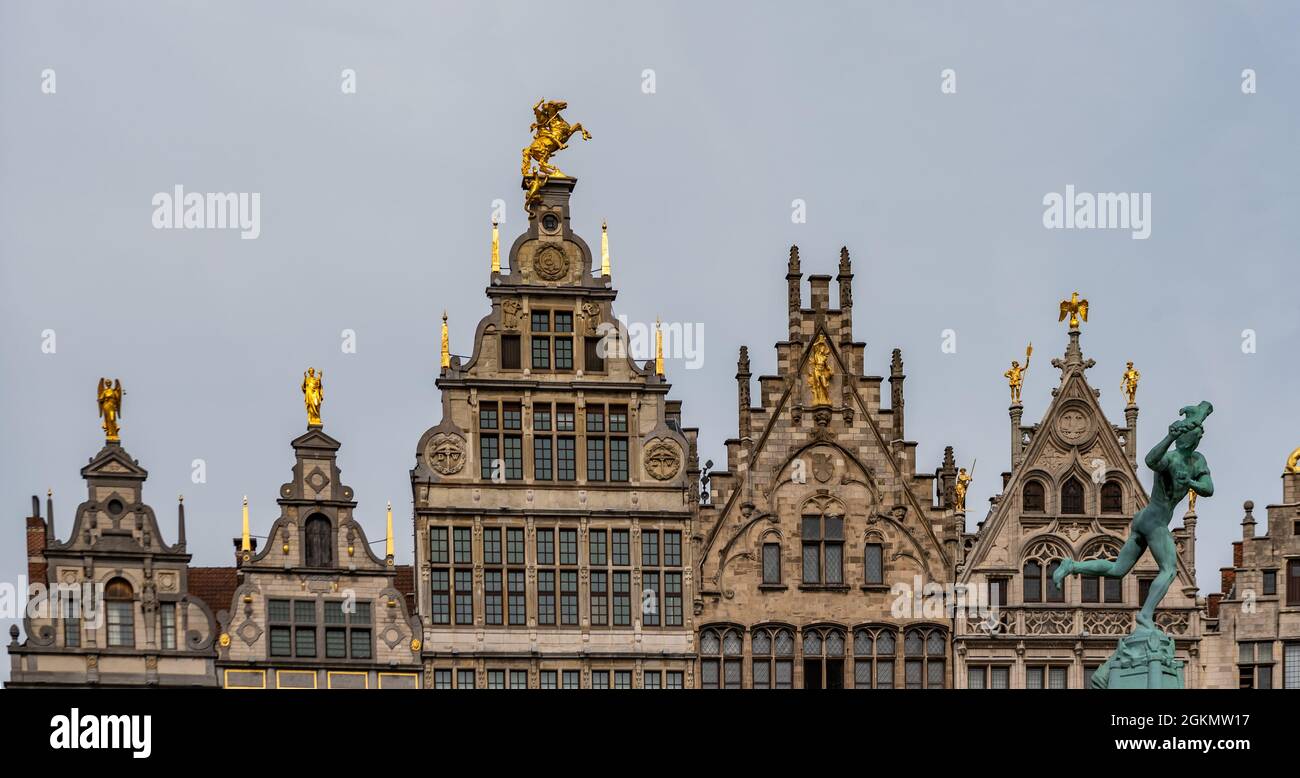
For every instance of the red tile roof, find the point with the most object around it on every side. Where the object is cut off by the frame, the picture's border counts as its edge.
(214, 585)
(404, 582)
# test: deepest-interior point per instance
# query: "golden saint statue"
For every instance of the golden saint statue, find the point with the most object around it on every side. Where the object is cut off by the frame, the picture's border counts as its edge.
(1016, 375)
(1191, 501)
(963, 483)
(819, 372)
(109, 398)
(313, 394)
(1129, 383)
(1075, 308)
(550, 134)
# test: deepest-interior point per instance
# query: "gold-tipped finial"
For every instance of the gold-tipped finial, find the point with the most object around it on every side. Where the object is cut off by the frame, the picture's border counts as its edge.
(388, 543)
(245, 542)
(604, 248)
(496, 248)
(109, 397)
(1293, 461)
(313, 394)
(446, 344)
(1129, 383)
(659, 348)
(1075, 308)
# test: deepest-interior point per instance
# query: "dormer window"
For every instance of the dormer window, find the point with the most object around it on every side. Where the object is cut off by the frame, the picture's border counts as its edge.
(119, 602)
(319, 542)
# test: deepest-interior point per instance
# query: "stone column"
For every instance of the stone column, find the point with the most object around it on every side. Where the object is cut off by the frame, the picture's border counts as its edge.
(1017, 450)
(1131, 438)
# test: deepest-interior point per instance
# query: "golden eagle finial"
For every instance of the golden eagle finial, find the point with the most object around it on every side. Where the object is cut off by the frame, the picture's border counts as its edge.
(1076, 308)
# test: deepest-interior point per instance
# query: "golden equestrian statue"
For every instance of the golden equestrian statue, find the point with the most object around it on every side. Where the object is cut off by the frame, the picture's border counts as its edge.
(1016, 375)
(1075, 308)
(313, 394)
(1293, 461)
(1129, 383)
(550, 134)
(819, 372)
(109, 397)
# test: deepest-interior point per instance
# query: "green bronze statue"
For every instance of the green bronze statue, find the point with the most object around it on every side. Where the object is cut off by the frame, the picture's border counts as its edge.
(1177, 471)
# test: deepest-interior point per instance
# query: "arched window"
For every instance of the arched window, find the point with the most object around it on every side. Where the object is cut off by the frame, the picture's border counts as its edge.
(119, 601)
(1072, 496)
(773, 664)
(873, 658)
(823, 658)
(873, 562)
(1041, 561)
(925, 651)
(823, 549)
(720, 652)
(771, 561)
(1096, 589)
(1034, 497)
(319, 545)
(1112, 498)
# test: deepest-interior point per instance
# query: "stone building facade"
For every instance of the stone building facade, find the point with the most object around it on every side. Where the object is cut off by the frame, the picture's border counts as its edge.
(819, 512)
(1255, 619)
(316, 607)
(1072, 491)
(554, 500)
(118, 606)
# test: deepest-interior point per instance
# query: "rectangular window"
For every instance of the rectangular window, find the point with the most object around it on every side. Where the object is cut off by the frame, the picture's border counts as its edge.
(464, 596)
(518, 597)
(542, 417)
(438, 551)
(518, 679)
(771, 563)
(442, 679)
(572, 679)
(650, 598)
(545, 546)
(600, 679)
(568, 546)
(515, 546)
(596, 547)
(874, 563)
(440, 596)
(1270, 582)
(673, 599)
(623, 679)
(675, 679)
(592, 361)
(595, 459)
(618, 459)
(568, 597)
(542, 454)
(998, 591)
(599, 597)
(510, 352)
(464, 541)
(492, 546)
(167, 620)
(545, 597)
(1291, 666)
(492, 592)
(652, 679)
(496, 679)
(563, 353)
(566, 463)
(1293, 582)
(488, 455)
(541, 353)
(514, 457)
(465, 679)
(621, 547)
(549, 679)
(672, 549)
(650, 548)
(622, 599)
(121, 624)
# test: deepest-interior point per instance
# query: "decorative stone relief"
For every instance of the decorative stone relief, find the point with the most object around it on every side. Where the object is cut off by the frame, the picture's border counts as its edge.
(445, 453)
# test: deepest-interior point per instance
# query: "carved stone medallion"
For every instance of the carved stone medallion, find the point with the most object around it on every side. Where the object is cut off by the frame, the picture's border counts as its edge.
(662, 460)
(445, 453)
(550, 263)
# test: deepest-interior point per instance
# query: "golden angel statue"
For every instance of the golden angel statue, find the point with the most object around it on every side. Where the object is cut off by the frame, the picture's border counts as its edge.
(109, 398)
(1074, 308)
(963, 483)
(313, 394)
(819, 372)
(550, 134)
(1129, 383)
(1016, 375)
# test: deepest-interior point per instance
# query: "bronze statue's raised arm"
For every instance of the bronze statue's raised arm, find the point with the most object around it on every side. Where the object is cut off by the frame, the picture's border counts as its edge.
(1157, 454)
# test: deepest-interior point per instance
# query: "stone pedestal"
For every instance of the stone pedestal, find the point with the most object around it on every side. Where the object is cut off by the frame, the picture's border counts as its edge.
(1143, 660)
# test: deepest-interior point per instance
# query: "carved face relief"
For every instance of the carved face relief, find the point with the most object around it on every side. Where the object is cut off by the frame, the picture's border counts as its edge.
(1072, 426)
(662, 460)
(445, 453)
(550, 263)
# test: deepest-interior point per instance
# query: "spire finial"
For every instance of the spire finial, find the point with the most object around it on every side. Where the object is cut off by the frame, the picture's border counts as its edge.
(446, 344)
(388, 543)
(496, 248)
(245, 541)
(604, 248)
(659, 348)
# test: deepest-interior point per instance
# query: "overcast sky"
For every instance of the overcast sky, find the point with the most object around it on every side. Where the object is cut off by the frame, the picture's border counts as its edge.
(375, 211)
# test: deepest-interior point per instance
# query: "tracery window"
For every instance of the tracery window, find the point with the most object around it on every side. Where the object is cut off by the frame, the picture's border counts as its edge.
(874, 650)
(823, 658)
(1040, 562)
(773, 661)
(1095, 588)
(1112, 497)
(925, 650)
(720, 651)
(1034, 497)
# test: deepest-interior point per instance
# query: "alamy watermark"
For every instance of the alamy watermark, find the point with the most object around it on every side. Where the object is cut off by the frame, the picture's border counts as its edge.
(1101, 211)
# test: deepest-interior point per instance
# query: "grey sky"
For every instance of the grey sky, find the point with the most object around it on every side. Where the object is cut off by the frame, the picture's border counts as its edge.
(375, 212)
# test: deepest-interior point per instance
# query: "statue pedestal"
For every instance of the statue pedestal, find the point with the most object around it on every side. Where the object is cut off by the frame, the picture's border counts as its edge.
(1143, 660)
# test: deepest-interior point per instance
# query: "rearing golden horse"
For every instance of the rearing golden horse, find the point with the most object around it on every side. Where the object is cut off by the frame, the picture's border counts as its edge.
(550, 133)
